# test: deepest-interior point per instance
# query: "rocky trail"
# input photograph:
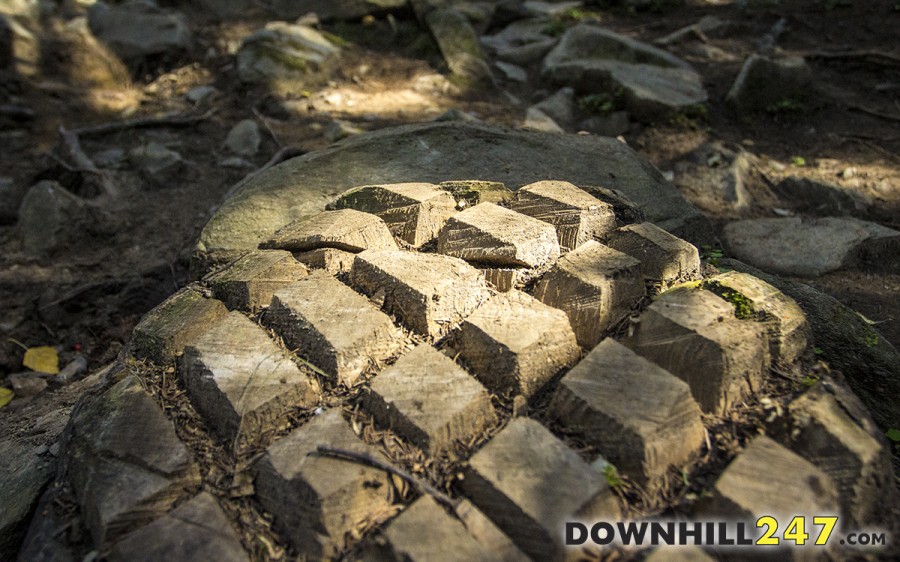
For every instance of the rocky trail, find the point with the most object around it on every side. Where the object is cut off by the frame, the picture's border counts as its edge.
(724, 175)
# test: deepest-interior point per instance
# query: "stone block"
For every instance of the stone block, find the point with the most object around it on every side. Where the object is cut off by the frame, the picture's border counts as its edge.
(197, 529)
(430, 400)
(329, 497)
(576, 215)
(240, 381)
(331, 260)
(663, 257)
(333, 327)
(694, 335)
(428, 293)
(345, 229)
(489, 536)
(514, 343)
(755, 299)
(469, 193)
(126, 464)
(530, 483)
(164, 331)
(488, 234)
(414, 212)
(641, 418)
(596, 286)
(249, 282)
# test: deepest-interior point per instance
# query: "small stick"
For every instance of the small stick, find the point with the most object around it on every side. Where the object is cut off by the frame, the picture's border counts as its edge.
(168, 120)
(419, 485)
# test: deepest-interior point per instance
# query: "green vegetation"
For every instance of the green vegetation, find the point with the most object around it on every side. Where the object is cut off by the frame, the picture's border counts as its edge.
(611, 473)
(693, 117)
(788, 106)
(601, 104)
(798, 161)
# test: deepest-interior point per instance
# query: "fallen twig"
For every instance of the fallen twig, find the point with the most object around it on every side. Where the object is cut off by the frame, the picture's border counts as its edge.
(418, 484)
(168, 120)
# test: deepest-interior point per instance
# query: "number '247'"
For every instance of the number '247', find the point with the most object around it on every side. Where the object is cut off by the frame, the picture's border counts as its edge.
(795, 531)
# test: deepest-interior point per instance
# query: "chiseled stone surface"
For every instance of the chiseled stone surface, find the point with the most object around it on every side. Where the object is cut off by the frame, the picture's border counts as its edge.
(595, 285)
(663, 257)
(694, 335)
(330, 259)
(429, 293)
(642, 418)
(329, 497)
(249, 282)
(430, 400)
(577, 215)
(126, 465)
(196, 530)
(414, 212)
(488, 234)
(344, 229)
(514, 343)
(336, 329)
(164, 331)
(240, 381)
(530, 483)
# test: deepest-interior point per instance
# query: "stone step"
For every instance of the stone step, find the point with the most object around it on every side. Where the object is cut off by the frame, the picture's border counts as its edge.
(664, 258)
(164, 331)
(694, 335)
(428, 293)
(515, 344)
(249, 282)
(240, 381)
(126, 464)
(753, 298)
(577, 215)
(196, 528)
(333, 327)
(316, 500)
(488, 234)
(346, 229)
(641, 418)
(596, 286)
(530, 483)
(430, 400)
(414, 212)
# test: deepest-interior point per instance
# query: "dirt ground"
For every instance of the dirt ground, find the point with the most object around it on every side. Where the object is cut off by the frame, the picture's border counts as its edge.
(86, 297)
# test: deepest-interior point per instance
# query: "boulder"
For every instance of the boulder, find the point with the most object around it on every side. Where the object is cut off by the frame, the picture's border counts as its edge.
(436, 152)
(459, 46)
(285, 57)
(820, 198)
(334, 9)
(23, 476)
(593, 59)
(560, 107)
(764, 81)
(139, 28)
(48, 215)
(715, 178)
(159, 165)
(244, 139)
(807, 247)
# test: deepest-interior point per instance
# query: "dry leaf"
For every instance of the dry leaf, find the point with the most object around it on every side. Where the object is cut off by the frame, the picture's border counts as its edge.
(6, 396)
(42, 359)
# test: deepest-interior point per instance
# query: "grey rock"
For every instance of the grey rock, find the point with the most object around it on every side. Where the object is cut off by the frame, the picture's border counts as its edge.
(804, 248)
(23, 476)
(286, 57)
(197, 529)
(334, 9)
(48, 215)
(479, 14)
(125, 463)
(228, 9)
(869, 363)
(560, 107)
(27, 384)
(236, 162)
(156, 163)
(612, 125)
(593, 59)
(244, 139)
(539, 8)
(820, 198)
(526, 54)
(11, 195)
(138, 28)
(436, 152)
(764, 81)
(512, 72)
(109, 157)
(715, 178)
(459, 46)
(339, 129)
(454, 114)
(200, 94)
(537, 120)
